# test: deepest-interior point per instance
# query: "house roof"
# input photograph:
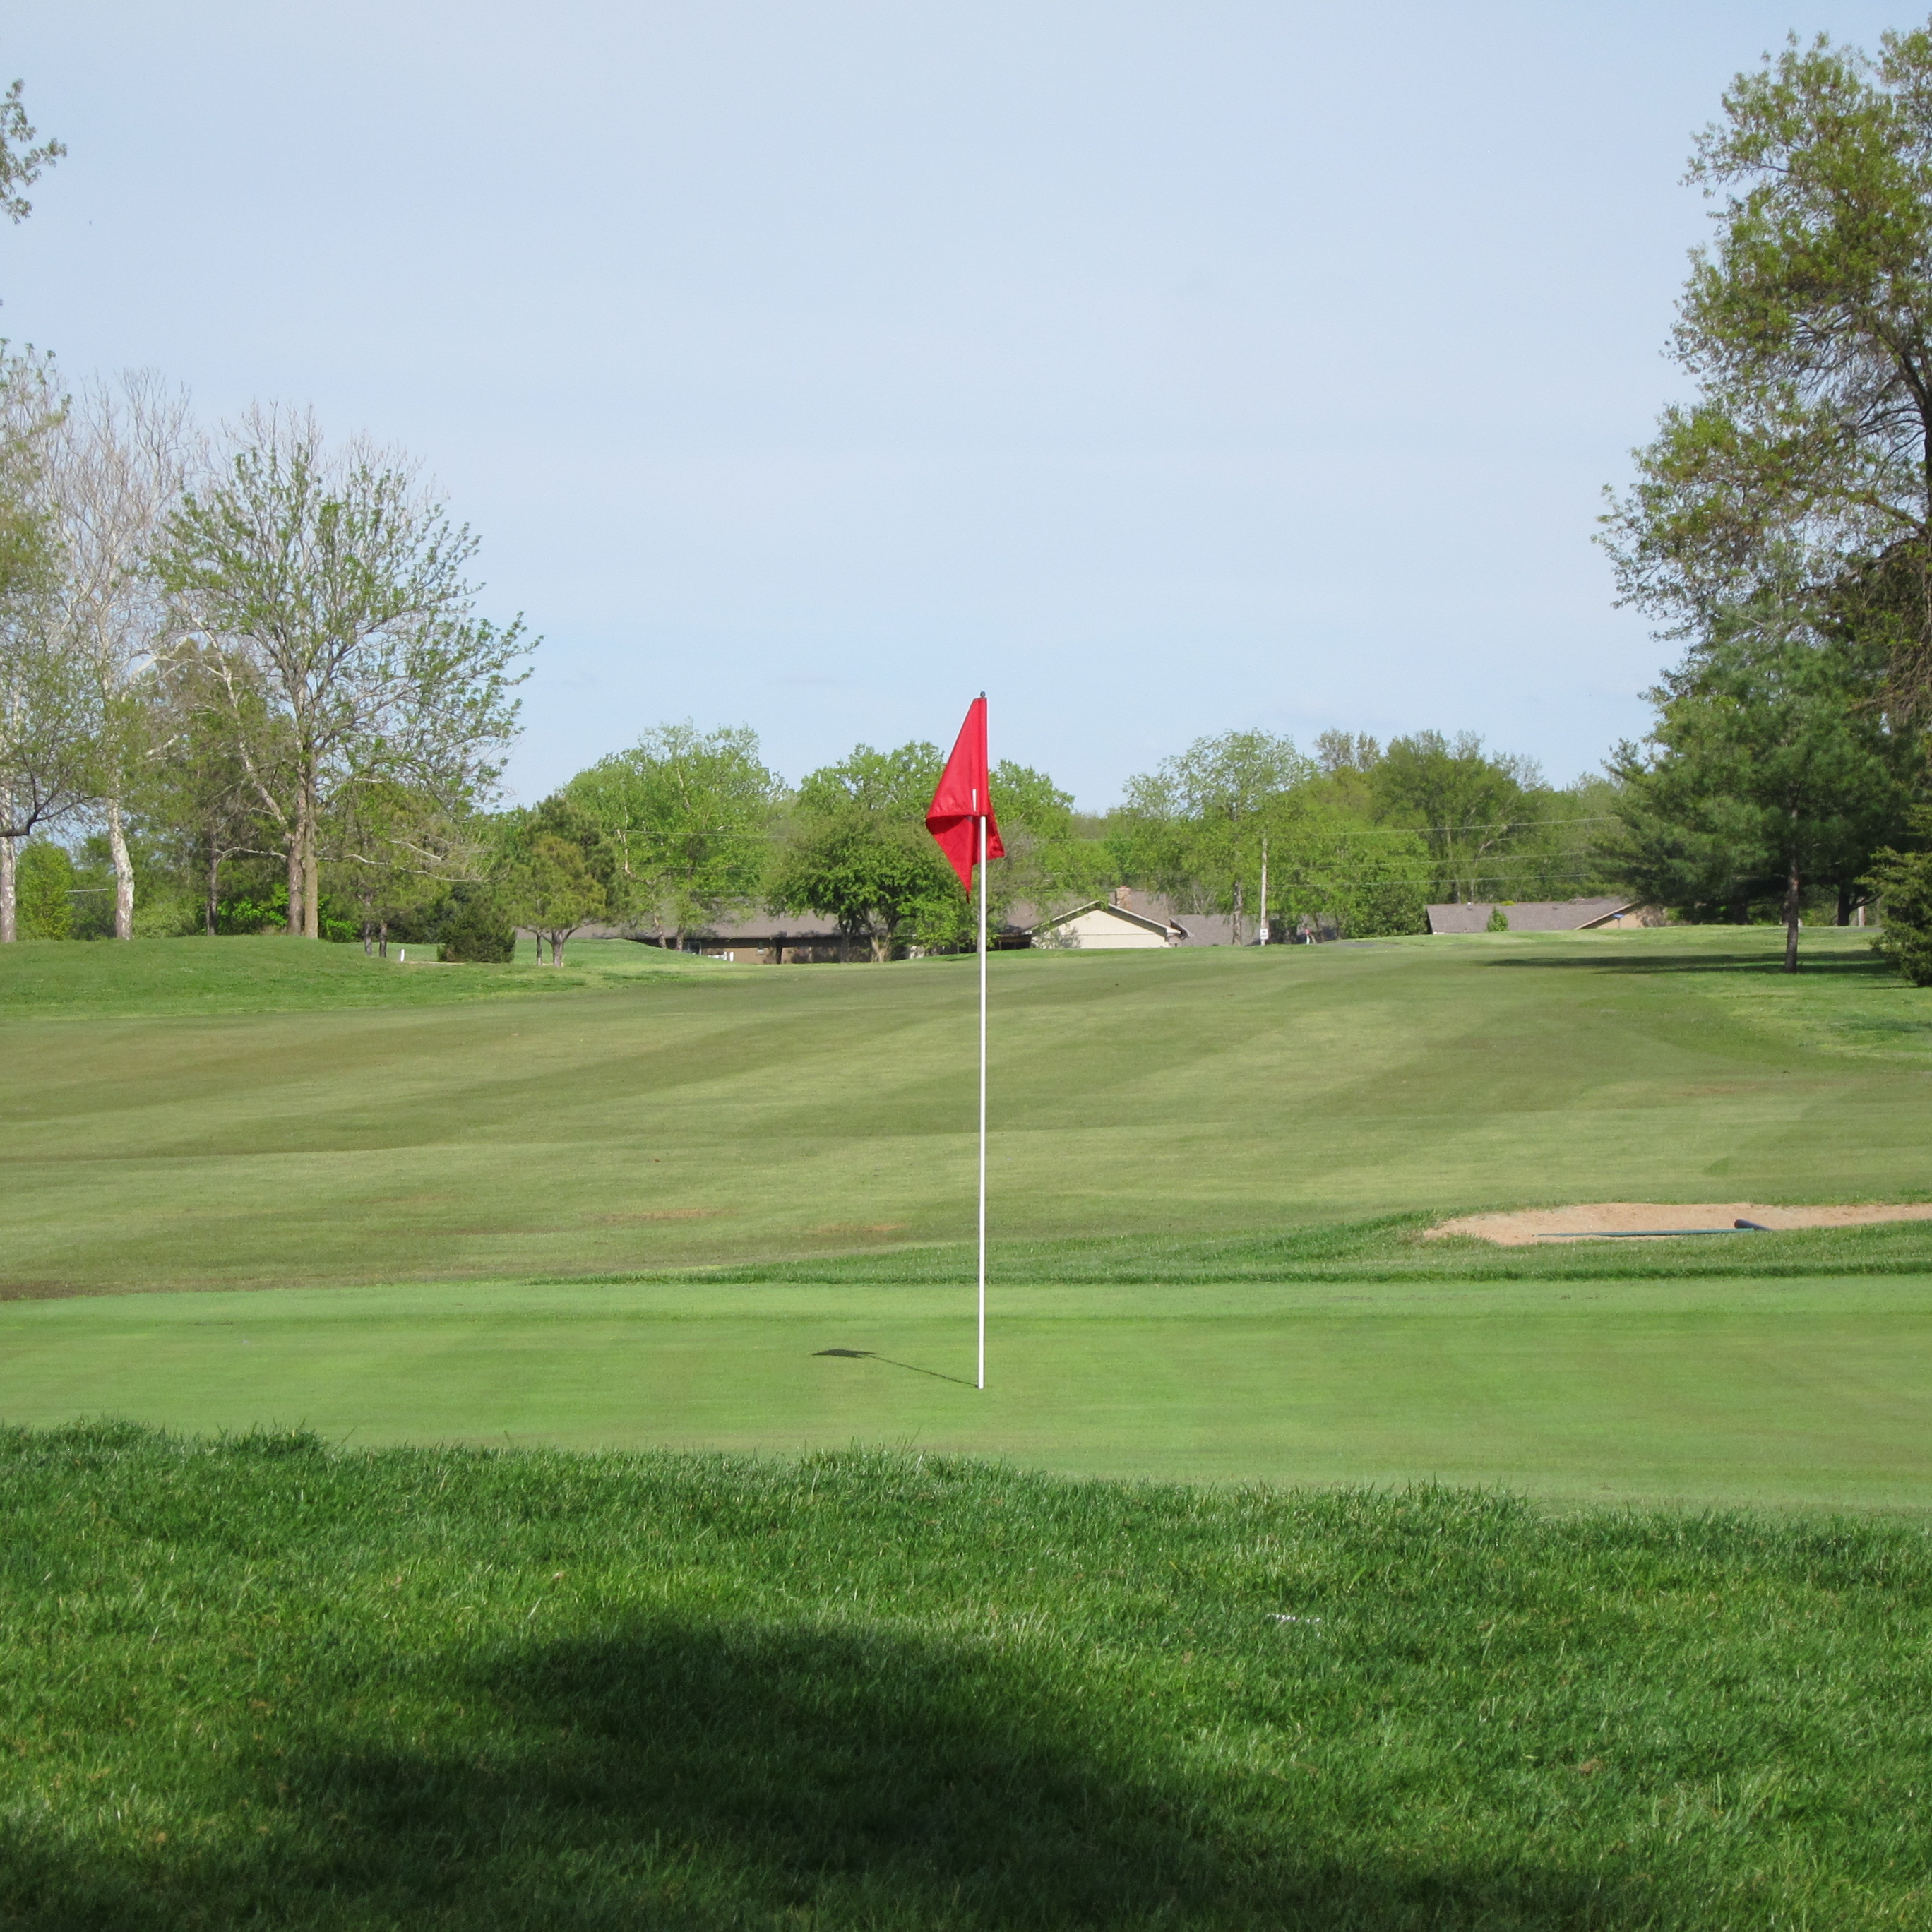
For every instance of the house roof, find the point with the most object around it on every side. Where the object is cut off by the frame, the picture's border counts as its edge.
(1196, 929)
(1529, 915)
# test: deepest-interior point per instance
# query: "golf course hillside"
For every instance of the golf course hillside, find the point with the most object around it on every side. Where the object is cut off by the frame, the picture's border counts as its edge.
(651, 1202)
(196, 1113)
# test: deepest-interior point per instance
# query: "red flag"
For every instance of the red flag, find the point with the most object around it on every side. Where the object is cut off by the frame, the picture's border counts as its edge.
(964, 796)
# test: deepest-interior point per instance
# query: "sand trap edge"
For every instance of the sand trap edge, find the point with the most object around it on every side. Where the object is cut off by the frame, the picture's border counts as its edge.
(1527, 1225)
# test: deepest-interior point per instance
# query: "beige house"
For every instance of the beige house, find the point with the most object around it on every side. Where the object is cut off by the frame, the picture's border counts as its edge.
(1100, 927)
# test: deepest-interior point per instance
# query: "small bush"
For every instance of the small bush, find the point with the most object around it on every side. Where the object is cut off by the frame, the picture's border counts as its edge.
(241, 914)
(1498, 921)
(43, 887)
(170, 917)
(1381, 909)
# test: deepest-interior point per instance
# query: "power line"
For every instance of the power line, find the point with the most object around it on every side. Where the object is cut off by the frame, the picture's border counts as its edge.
(1353, 831)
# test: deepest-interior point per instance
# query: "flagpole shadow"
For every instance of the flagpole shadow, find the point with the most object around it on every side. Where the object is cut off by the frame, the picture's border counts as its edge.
(870, 1355)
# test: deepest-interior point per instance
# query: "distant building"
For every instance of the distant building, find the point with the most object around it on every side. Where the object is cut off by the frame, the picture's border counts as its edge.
(800, 939)
(1126, 919)
(790, 939)
(1103, 925)
(1596, 915)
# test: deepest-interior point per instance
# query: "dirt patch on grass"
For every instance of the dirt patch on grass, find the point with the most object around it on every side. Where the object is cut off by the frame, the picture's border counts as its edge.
(1529, 1224)
(658, 1214)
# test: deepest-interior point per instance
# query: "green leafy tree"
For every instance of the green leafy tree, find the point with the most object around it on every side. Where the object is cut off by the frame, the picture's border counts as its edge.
(1332, 869)
(197, 788)
(560, 873)
(1771, 769)
(47, 886)
(1801, 469)
(21, 162)
(858, 851)
(330, 590)
(1197, 827)
(50, 723)
(557, 892)
(1902, 882)
(1479, 815)
(475, 924)
(48, 729)
(690, 815)
(392, 851)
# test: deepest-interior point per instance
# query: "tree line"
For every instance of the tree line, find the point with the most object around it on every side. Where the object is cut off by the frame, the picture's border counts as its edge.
(245, 682)
(245, 685)
(688, 829)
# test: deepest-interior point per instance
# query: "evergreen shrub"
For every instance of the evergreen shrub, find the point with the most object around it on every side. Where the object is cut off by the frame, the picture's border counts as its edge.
(1903, 880)
(474, 927)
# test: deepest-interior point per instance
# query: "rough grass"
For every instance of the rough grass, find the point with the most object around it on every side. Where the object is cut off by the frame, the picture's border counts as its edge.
(256, 1683)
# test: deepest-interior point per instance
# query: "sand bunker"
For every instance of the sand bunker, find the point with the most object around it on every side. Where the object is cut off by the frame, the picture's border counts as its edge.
(1631, 1217)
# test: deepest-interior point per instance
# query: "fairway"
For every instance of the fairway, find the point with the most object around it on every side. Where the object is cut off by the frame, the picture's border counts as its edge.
(170, 1127)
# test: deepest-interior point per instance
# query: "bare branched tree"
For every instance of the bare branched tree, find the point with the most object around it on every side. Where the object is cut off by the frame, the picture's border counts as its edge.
(116, 467)
(48, 716)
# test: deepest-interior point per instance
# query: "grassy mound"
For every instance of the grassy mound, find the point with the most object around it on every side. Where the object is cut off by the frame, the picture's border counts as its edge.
(270, 1685)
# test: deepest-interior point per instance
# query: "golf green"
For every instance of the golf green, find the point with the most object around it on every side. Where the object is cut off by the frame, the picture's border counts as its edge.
(1782, 1392)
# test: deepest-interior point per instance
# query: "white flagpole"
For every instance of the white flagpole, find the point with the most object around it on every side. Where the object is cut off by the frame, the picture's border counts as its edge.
(982, 1100)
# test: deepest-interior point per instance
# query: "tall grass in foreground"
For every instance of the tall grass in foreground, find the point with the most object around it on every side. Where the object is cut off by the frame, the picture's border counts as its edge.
(255, 1682)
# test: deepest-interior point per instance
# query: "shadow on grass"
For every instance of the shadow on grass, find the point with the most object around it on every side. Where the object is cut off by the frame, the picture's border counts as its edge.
(1767, 965)
(710, 1776)
(913, 1368)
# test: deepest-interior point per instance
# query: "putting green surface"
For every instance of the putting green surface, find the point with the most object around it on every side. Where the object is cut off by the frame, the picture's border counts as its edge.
(1784, 1392)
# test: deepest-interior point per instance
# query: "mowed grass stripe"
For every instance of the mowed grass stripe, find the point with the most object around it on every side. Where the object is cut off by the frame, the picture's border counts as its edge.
(760, 1113)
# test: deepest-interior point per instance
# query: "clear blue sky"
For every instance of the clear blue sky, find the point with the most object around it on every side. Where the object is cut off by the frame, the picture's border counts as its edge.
(1162, 368)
